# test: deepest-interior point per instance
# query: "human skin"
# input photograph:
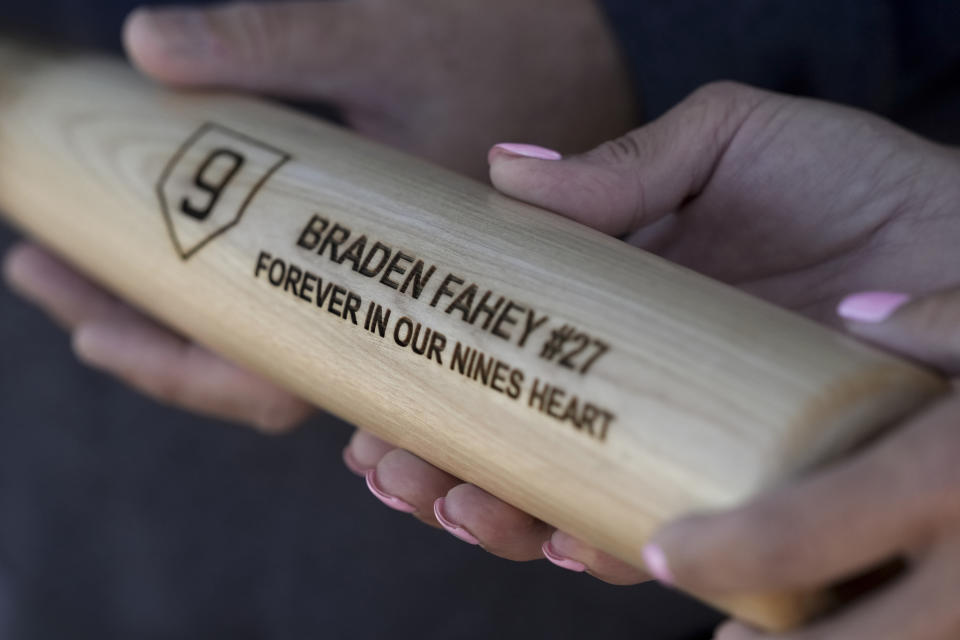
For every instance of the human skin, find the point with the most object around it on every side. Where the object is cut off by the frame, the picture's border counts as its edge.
(443, 80)
(798, 202)
(814, 207)
(831, 212)
(899, 498)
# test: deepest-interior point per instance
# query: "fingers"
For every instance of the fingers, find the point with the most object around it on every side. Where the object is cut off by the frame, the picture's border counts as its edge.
(828, 527)
(364, 451)
(855, 515)
(927, 329)
(61, 292)
(174, 371)
(567, 552)
(113, 337)
(475, 516)
(290, 48)
(919, 606)
(639, 178)
(409, 484)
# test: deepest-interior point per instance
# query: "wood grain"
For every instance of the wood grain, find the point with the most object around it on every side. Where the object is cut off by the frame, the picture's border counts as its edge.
(699, 396)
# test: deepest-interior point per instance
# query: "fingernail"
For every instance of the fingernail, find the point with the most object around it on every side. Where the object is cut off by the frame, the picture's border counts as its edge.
(352, 463)
(455, 529)
(656, 562)
(391, 501)
(178, 31)
(871, 306)
(563, 562)
(528, 151)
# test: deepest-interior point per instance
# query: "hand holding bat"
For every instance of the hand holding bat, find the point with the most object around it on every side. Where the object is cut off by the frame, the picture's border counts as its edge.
(805, 203)
(664, 194)
(896, 500)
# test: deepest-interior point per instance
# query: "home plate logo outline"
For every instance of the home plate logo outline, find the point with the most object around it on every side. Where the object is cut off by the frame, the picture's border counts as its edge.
(210, 181)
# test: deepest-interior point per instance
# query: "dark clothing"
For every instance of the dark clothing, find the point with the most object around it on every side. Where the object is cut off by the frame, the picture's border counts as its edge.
(899, 58)
(120, 519)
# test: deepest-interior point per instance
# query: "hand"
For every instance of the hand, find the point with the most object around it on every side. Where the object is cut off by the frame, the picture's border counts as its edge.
(441, 79)
(898, 499)
(797, 201)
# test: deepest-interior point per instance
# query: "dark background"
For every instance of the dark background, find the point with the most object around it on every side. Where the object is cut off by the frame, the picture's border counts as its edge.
(123, 519)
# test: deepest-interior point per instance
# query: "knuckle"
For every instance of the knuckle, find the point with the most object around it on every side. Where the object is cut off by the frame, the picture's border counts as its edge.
(718, 109)
(722, 92)
(620, 150)
(621, 183)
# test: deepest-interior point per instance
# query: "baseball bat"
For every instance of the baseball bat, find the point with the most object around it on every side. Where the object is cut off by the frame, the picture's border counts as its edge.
(591, 384)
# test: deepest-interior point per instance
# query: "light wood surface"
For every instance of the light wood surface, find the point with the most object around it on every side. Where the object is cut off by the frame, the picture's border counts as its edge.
(689, 395)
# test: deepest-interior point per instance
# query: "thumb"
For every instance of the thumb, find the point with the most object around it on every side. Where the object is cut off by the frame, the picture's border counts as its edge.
(296, 49)
(632, 181)
(925, 329)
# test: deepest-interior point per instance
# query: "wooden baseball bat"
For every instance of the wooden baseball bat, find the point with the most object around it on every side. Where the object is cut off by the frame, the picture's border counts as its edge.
(598, 387)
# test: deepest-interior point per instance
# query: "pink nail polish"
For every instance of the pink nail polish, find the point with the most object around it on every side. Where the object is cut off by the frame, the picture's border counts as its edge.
(871, 306)
(563, 562)
(658, 566)
(528, 151)
(391, 501)
(455, 529)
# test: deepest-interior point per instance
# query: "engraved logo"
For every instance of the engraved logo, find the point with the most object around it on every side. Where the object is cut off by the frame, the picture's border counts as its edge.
(210, 182)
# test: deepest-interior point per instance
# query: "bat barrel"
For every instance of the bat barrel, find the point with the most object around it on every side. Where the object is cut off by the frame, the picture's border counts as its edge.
(598, 387)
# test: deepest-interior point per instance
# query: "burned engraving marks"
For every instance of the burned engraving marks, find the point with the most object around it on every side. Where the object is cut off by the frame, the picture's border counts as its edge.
(337, 271)
(209, 183)
(333, 247)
